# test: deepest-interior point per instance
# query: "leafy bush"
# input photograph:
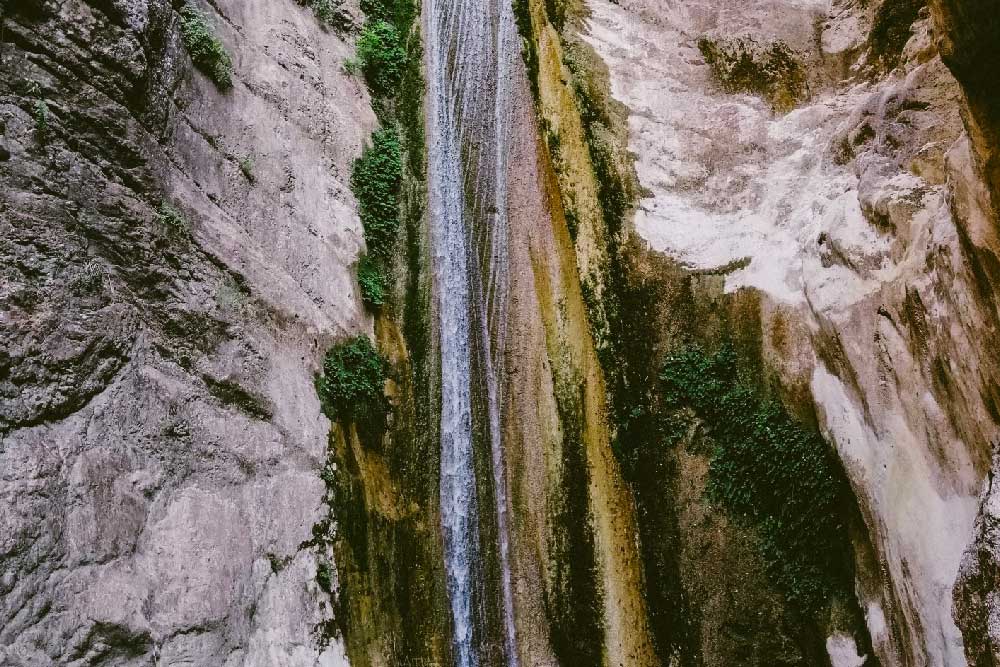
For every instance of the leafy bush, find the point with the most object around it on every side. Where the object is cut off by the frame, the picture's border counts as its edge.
(742, 65)
(375, 182)
(769, 471)
(173, 220)
(351, 386)
(328, 12)
(382, 56)
(206, 50)
(373, 281)
(41, 118)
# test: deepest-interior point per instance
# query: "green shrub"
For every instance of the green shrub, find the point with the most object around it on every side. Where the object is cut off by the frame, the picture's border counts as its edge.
(351, 386)
(173, 221)
(742, 65)
(324, 576)
(328, 12)
(375, 181)
(41, 116)
(206, 50)
(382, 56)
(770, 472)
(373, 281)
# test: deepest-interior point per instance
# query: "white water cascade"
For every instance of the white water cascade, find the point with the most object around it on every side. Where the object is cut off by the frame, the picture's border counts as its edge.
(471, 46)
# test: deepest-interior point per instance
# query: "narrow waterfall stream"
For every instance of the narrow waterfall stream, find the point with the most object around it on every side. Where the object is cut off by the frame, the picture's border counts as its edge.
(471, 46)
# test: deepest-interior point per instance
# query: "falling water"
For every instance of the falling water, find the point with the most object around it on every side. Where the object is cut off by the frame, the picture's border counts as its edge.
(471, 45)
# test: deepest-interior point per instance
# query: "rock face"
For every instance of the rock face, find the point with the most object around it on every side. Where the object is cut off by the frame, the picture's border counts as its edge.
(175, 259)
(861, 218)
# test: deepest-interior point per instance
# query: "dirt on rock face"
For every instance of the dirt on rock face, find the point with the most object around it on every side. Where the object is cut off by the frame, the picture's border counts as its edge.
(175, 259)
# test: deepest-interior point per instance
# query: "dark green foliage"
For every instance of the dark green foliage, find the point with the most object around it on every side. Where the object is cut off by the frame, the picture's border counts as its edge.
(353, 379)
(173, 221)
(41, 117)
(373, 281)
(891, 29)
(742, 65)
(324, 576)
(769, 471)
(329, 12)
(375, 182)
(382, 56)
(400, 13)
(206, 50)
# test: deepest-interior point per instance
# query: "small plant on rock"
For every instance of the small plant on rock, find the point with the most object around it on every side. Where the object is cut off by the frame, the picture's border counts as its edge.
(373, 281)
(206, 50)
(246, 166)
(173, 221)
(41, 116)
(351, 386)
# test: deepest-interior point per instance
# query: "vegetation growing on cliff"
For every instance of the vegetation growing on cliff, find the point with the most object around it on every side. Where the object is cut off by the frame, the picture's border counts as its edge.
(768, 471)
(742, 65)
(375, 182)
(382, 56)
(206, 50)
(329, 12)
(891, 30)
(378, 546)
(173, 221)
(353, 380)
(372, 279)
(41, 116)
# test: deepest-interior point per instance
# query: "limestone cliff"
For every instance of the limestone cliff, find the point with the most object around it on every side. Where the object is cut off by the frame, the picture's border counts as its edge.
(855, 208)
(175, 259)
(750, 396)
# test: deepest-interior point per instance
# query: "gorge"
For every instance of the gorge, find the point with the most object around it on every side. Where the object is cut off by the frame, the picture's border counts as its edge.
(499, 332)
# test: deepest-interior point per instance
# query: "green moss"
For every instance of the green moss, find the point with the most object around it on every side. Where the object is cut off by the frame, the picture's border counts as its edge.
(573, 601)
(529, 51)
(324, 576)
(768, 471)
(206, 50)
(246, 167)
(373, 281)
(891, 29)
(231, 393)
(742, 65)
(382, 56)
(353, 380)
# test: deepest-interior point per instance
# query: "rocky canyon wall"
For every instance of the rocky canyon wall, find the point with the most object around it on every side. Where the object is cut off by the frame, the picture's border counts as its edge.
(795, 198)
(832, 183)
(175, 259)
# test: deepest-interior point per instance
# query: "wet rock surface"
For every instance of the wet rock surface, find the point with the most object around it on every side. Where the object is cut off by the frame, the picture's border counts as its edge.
(863, 220)
(162, 313)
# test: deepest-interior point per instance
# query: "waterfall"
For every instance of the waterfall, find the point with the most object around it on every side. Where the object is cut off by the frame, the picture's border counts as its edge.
(471, 46)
